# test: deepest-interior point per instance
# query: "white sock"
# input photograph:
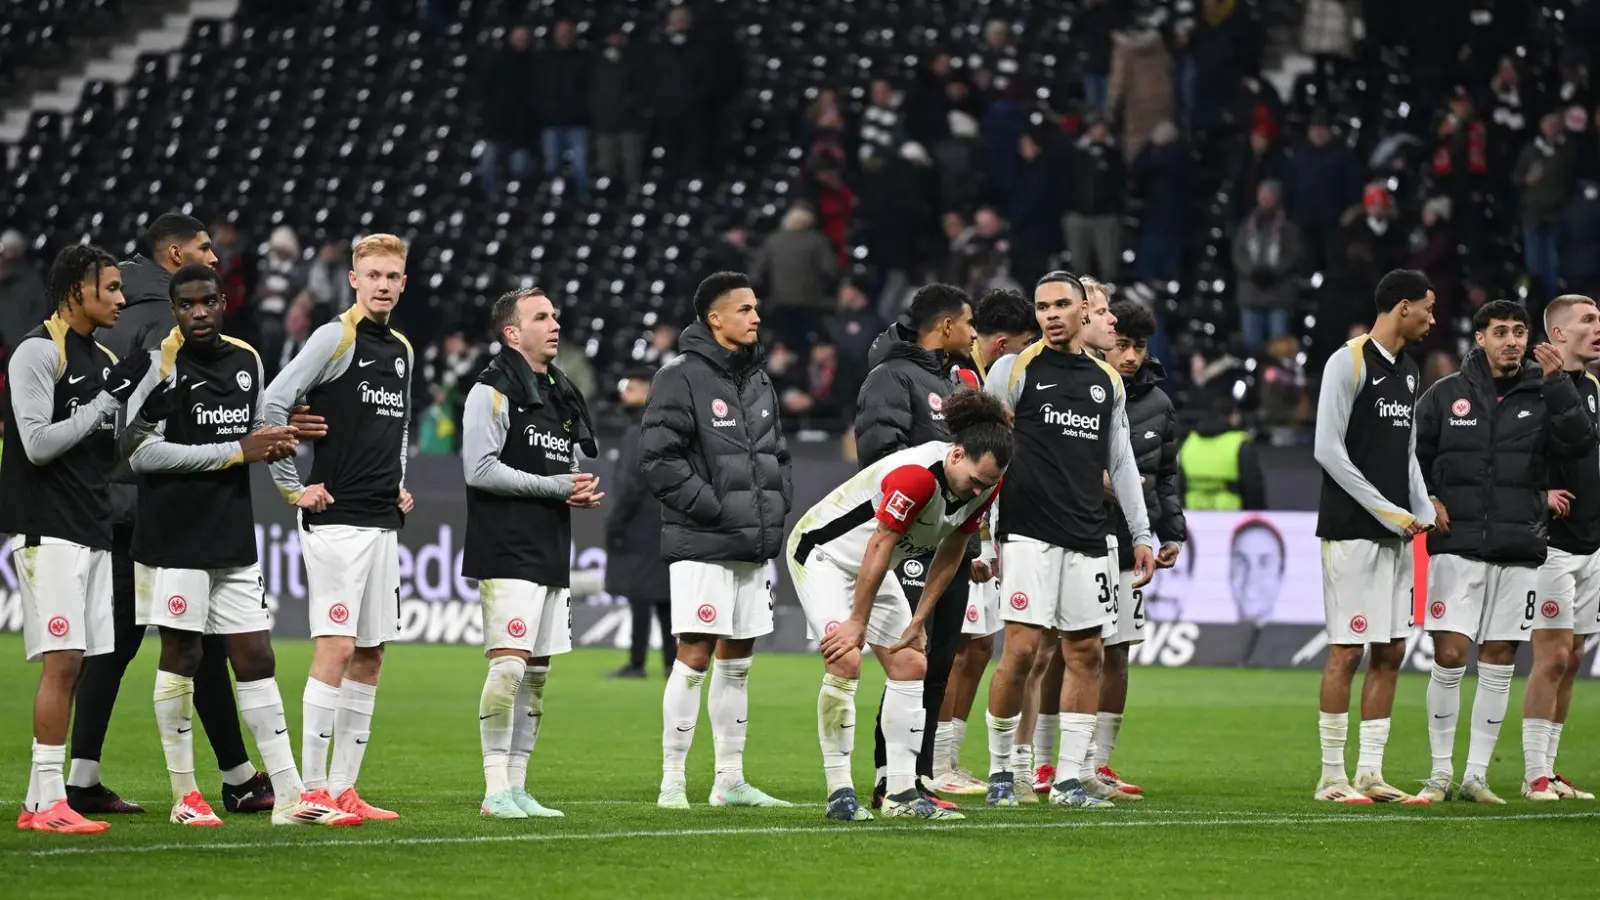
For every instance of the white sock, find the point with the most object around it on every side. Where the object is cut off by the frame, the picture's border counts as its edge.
(1002, 732)
(352, 728)
(85, 773)
(958, 738)
(1444, 710)
(1046, 732)
(527, 716)
(680, 711)
(261, 707)
(1334, 729)
(1553, 745)
(1077, 731)
(1488, 711)
(1535, 749)
(836, 728)
(1022, 764)
(317, 707)
(30, 801)
(1374, 737)
(48, 760)
(174, 700)
(941, 748)
(239, 774)
(728, 705)
(496, 715)
(1107, 726)
(903, 721)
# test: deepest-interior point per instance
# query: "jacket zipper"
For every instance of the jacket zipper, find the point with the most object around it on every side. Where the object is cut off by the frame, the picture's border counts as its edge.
(755, 468)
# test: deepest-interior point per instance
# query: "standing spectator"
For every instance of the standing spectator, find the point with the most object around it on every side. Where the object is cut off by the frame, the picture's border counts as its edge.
(1094, 223)
(959, 155)
(895, 207)
(1511, 104)
(1369, 244)
(835, 206)
(1324, 179)
(508, 112)
(233, 267)
(663, 346)
(1092, 33)
(881, 130)
(1431, 248)
(452, 366)
(1140, 92)
(1260, 159)
(680, 79)
(1036, 207)
(1003, 124)
(1461, 165)
(852, 330)
(1325, 34)
(328, 282)
(1544, 172)
(927, 106)
(297, 328)
(1224, 50)
(617, 111)
(282, 279)
(731, 252)
(22, 301)
(796, 269)
(562, 75)
(1161, 178)
(1577, 234)
(1266, 258)
(634, 568)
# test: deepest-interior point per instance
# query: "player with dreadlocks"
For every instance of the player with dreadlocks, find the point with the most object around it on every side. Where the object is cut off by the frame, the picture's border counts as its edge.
(67, 393)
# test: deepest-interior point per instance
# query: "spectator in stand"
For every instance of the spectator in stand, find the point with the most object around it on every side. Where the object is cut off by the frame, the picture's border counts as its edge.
(1574, 74)
(1266, 260)
(22, 300)
(1323, 180)
(1326, 35)
(1092, 33)
(562, 78)
(1161, 178)
(998, 55)
(1435, 366)
(731, 252)
(1431, 248)
(454, 364)
(1224, 50)
(328, 282)
(834, 205)
(796, 269)
(818, 401)
(1140, 93)
(282, 281)
(1261, 158)
(680, 78)
(297, 328)
(662, 347)
(508, 112)
(959, 158)
(1285, 402)
(634, 567)
(927, 106)
(881, 130)
(1577, 236)
(618, 112)
(1544, 173)
(1093, 224)
(1370, 243)
(788, 378)
(984, 260)
(1511, 105)
(895, 208)
(1035, 208)
(823, 121)
(851, 331)
(1461, 160)
(1002, 125)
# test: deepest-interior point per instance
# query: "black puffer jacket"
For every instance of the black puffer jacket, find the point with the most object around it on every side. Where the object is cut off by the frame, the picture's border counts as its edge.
(1486, 460)
(146, 319)
(1153, 430)
(901, 401)
(713, 453)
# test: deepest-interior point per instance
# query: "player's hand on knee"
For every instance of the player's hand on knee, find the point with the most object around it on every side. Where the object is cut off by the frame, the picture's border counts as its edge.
(268, 444)
(846, 639)
(315, 499)
(915, 638)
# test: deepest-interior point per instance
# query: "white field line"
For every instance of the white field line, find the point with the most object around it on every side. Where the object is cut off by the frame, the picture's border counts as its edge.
(1099, 820)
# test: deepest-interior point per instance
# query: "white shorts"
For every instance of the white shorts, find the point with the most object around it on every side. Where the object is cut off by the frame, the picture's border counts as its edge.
(352, 582)
(1053, 587)
(1367, 590)
(208, 601)
(1569, 592)
(1129, 625)
(983, 609)
(66, 597)
(727, 599)
(827, 593)
(1484, 601)
(521, 615)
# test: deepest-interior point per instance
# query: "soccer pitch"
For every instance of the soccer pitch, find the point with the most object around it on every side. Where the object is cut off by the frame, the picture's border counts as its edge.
(1227, 758)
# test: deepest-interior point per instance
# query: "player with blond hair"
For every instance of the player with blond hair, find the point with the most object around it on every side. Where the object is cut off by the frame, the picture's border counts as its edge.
(355, 372)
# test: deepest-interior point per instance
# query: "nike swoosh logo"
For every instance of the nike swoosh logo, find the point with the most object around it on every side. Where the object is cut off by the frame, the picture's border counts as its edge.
(186, 730)
(740, 721)
(1524, 414)
(681, 728)
(489, 716)
(1377, 381)
(74, 379)
(1526, 626)
(1445, 716)
(360, 741)
(851, 725)
(327, 736)
(125, 383)
(917, 730)
(1496, 721)
(1042, 387)
(281, 731)
(195, 384)
(366, 362)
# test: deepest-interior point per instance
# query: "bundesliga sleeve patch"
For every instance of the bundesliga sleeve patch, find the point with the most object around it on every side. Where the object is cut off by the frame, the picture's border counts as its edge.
(899, 506)
(905, 491)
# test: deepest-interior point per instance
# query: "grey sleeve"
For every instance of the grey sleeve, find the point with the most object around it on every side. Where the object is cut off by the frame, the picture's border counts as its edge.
(31, 374)
(998, 381)
(131, 430)
(1125, 475)
(1421, 506)
(405, 429)
(155, 454)
(483, 432)
(1334, 401)
(260, 420)
(315, 364)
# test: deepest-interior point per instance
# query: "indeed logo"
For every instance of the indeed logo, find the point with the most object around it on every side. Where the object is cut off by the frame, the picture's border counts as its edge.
(1070, 419)
(379, 396)
(561, 447)
(1391, 409)
(226, 415)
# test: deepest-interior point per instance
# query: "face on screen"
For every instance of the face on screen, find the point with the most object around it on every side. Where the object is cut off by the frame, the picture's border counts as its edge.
(1256, 572)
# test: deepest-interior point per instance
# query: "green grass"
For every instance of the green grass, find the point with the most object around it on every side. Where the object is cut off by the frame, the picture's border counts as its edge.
(1228, 759)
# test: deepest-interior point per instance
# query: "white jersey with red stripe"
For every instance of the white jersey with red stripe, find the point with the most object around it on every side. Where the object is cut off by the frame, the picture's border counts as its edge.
(905, 491)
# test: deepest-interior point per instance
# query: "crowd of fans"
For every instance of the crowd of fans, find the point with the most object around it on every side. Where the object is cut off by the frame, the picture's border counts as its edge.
(964, 174)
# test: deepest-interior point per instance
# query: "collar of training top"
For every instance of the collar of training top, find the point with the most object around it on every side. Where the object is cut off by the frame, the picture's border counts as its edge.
(510, 374)
(697, 339)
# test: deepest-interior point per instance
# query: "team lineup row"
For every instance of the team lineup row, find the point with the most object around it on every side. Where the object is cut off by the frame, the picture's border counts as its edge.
(1020, 505)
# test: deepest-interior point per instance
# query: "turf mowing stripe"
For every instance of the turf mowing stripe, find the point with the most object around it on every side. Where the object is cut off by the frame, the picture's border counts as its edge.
(1352, 818)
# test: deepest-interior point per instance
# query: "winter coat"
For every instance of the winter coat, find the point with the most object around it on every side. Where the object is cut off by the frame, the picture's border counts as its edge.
(22, 302)
(508, 110)
(1140, 94)
(797, 270)
(680, 76)
(1322, 183)
(1485, 458)
(901, 404)
(1266, 257)
(1161, 176)
(1153, 431)
(634, 567)
(1099, 179)
(617, 89)
(562, 76)
(1248, 171)
(1541, 202)
(712, 451)
(1577, 234)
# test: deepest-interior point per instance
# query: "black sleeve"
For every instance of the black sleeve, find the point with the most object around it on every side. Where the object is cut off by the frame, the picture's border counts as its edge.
(1572, 432)
(627, 493)
(883, 416)
(1252, 481)
(1427, 426)
(784, 462)
(1170, 525)
(667, 442)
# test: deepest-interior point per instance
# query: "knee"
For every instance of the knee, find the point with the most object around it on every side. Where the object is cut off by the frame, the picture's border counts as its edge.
(334, 651)
(907, 666)
(255, 663)
(1087, 660)
(61, 668)
(365, 664)
(1116, 661)
(847, 667)
(1343, 661)
(1556, 662)
(695, 652)
(181, 656)
(1386, 658)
